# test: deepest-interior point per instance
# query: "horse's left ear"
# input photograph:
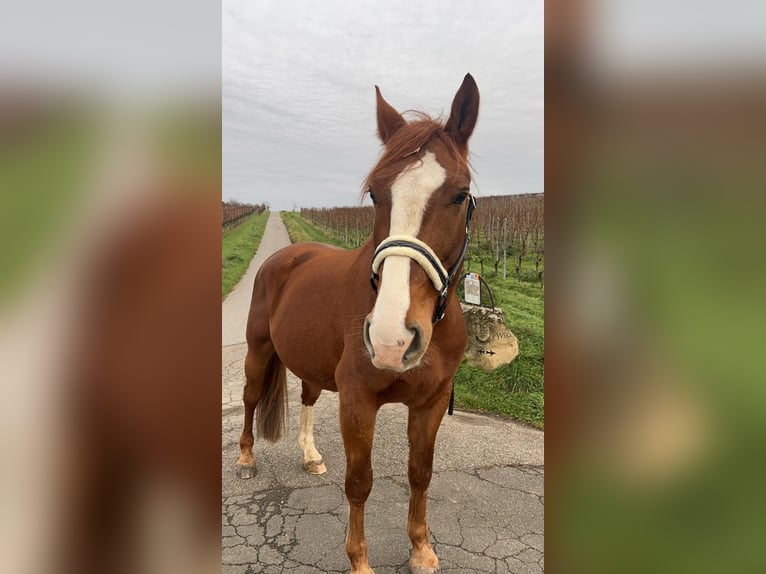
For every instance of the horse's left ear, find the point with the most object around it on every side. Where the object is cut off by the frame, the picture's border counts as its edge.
(465, 111)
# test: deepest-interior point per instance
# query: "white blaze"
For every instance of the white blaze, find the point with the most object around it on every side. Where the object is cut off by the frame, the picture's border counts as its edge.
(409, 197)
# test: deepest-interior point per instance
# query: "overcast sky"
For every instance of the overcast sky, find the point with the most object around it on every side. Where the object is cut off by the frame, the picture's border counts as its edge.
(299, 100)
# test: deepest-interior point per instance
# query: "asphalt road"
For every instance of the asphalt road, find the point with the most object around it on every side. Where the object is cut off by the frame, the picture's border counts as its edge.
(235, 306)
(486, 499)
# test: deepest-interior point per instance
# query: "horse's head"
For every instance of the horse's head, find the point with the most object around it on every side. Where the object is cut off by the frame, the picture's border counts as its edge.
(421, 192)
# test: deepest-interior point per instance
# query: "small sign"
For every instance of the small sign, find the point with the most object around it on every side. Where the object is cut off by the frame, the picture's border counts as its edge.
(472, 289)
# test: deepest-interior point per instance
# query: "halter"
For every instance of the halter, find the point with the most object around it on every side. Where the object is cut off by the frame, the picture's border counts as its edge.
(423, 255)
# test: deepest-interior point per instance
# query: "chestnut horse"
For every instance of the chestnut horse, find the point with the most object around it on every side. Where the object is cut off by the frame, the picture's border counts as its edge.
(313, 311)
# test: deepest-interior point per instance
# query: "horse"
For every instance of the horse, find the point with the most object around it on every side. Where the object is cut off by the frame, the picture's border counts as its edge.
(378, 324)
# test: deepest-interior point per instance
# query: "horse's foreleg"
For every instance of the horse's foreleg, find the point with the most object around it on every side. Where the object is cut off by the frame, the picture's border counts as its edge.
(357, 423)
(255, 367)
(312, 460)
(422, 427)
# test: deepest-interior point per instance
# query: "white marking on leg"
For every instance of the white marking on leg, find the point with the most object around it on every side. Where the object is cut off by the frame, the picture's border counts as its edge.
(410, 194)
(312, 460)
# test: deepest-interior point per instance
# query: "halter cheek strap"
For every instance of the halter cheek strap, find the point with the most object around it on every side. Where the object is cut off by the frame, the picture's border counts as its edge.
(423, 255)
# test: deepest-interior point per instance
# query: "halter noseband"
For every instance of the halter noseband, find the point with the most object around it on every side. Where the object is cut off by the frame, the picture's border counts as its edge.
(423, 255)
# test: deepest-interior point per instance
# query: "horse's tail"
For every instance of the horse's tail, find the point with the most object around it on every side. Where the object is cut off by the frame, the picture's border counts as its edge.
(271, 409)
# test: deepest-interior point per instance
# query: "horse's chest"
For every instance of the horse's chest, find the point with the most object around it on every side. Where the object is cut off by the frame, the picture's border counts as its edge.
(410, 390)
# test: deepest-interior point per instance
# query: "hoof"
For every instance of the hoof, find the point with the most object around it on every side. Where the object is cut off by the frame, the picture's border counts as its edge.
(315, 467)
(246, 470)
(423, 569)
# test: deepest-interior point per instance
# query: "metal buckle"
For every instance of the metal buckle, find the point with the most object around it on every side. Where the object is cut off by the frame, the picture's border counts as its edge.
(441, 306)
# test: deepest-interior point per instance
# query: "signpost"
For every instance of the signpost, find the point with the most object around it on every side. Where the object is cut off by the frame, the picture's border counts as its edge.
(472, 289)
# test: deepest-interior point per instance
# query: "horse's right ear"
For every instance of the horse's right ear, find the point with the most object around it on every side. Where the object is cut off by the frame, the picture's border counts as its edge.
(389, 120)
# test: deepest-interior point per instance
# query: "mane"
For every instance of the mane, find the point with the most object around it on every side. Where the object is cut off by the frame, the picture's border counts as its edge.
(407, 143)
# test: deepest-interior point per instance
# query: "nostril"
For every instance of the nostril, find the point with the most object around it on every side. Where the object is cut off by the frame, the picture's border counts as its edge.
(367, 341)
(415, 345)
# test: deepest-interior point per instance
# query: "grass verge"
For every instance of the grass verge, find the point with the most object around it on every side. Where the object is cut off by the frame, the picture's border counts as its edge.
(237, 249)
(516, 390)
(45, 166)
(301, 230)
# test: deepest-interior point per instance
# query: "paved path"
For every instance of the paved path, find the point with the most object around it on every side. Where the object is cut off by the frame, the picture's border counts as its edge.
(237, 303)
(486, 498)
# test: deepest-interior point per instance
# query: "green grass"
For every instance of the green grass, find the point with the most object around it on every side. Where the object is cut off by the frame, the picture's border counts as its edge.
(237, 249)
(44, 170)
(301, 230)
(515, 390)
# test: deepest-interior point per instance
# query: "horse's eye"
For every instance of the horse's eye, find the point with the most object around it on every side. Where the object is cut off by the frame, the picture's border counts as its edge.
(372, 196)
(460, 198)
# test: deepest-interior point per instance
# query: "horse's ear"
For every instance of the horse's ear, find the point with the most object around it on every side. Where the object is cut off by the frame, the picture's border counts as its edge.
(389, 120)
(465, 111)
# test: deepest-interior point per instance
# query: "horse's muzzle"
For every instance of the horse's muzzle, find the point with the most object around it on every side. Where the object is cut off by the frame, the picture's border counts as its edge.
(402, 355)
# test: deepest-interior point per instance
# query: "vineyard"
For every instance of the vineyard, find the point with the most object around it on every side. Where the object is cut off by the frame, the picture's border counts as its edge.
(507, 233)
(508, 237)
(349, 226)
(233, 213)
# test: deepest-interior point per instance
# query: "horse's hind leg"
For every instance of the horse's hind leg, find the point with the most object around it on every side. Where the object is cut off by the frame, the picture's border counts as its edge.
(255, 369)
(312, 460)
